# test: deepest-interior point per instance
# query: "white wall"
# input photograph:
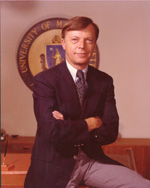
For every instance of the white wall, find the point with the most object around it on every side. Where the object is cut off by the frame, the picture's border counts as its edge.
(124, 45)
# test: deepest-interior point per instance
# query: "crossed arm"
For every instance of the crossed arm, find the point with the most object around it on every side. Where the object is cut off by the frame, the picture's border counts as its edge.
(53, 125)
(92, 122)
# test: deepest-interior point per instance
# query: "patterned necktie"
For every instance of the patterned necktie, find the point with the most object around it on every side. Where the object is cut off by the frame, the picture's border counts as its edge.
(81, 86)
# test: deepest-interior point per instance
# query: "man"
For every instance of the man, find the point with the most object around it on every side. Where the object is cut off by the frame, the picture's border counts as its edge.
(76, 113)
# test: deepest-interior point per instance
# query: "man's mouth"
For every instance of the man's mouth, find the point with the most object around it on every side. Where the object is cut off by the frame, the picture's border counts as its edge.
(81, 54)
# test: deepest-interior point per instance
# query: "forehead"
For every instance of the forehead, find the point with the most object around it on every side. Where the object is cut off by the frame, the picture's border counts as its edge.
(88, 31)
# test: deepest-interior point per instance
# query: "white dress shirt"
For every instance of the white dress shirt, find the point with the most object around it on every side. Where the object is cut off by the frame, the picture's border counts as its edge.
(73, 71)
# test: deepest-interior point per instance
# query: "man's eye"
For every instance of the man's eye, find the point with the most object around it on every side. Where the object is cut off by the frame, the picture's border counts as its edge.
(74, 39)
(89, 40)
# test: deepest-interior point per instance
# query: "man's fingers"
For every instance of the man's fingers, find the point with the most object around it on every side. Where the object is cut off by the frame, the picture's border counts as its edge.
(93, 123)
(57, 115)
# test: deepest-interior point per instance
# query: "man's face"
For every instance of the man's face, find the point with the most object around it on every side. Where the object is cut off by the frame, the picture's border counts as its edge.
(79, 46)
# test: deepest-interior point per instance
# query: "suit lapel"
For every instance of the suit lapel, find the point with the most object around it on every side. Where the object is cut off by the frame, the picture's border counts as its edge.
(95, 86)
(67, 89)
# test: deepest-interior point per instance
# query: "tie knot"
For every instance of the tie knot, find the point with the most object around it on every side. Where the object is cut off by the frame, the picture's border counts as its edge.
(80, 74)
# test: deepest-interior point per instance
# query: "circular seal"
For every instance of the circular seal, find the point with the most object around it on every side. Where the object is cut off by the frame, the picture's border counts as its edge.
(41, 49)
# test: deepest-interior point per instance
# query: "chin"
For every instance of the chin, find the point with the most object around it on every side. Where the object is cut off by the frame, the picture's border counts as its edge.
(81, 63)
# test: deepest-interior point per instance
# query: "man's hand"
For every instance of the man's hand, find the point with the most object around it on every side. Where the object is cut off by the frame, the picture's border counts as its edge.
(57, 115)
(93, 123)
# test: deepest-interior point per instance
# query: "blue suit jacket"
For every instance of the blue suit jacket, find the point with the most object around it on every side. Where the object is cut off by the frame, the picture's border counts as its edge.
(57, 141)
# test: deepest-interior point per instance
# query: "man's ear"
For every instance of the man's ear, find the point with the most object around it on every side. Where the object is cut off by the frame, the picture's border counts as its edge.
(63, 43)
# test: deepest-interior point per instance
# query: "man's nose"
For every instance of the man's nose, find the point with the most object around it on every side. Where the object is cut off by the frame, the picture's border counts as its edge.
(82, 44)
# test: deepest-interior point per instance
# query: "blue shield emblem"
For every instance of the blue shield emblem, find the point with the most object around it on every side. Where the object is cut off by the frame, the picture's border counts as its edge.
(55, 54)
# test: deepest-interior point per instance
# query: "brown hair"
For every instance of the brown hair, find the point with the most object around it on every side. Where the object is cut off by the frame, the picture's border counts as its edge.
(77, 23)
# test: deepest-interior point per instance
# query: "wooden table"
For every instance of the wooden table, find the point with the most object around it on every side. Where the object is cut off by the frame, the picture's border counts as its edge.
(15, 178)
(139, 146)
(141, 152)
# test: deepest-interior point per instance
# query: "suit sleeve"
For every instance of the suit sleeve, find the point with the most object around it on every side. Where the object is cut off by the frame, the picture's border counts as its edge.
(108, 132)
(59, 132)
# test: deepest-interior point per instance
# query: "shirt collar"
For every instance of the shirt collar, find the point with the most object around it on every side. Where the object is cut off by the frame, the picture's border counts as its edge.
(73, 71)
